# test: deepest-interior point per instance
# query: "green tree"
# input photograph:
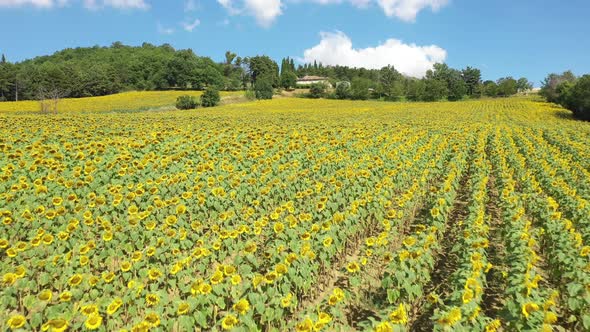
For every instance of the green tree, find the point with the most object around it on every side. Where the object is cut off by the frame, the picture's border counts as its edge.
(343, 90)
(390, 83)
(415, 89)
(507, 86)
(472, 78)
(490, 89)
(359, 88)
(210, 98)
(434, 89)
(288, 80)
(549, 87)
(523, 85)
(264, 67)
(456, 85)
(317, 90)
(578, 98)
(263, 88)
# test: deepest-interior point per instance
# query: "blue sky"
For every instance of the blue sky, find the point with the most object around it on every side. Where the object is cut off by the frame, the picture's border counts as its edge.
(501, 37)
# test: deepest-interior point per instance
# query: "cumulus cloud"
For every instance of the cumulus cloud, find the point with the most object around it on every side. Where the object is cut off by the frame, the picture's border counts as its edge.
(190, 26)
(407, 10)
(118, 4)
(264, 11)
(335, 48)
(90, 4)
(34, 3)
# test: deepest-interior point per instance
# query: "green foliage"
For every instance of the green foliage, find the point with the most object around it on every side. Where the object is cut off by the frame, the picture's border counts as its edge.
(434, 89)
(288, 80)
(263, 89)
(359, 88)
(507, 86)
(342, 90)
(552, 81)
(415, 90)
(97, 71)
(186, 103)
(250, 94)
(490, 89)
(472, 78)
(456, 86)
(263, 67)
(317, 90)
(210, 98)
(577, 97)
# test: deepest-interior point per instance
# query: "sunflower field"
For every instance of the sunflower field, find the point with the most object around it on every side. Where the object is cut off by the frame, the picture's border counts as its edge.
(133, 100)
(297, 215)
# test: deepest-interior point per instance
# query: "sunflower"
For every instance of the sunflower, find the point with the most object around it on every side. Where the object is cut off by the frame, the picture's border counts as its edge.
(65, 296)
(242, 306)
(57, 325)
(236, 279)
(152, 299)
(114, 306)
(451, 318)
(183, 308)
(45, 296)
(16, 322)
(93, 322)
(353, 267)
(228, 322)
(154, 274)
(75, 280)
(125, 266)
(286, 300)
(152, 319)
(89, 309)
(434, 212)
(399, 315)
(550, 317)
(529, 308)
(384, 327)
(305, 326)
(281, 268)
(9, 278)
(327, 242)
(216, 278)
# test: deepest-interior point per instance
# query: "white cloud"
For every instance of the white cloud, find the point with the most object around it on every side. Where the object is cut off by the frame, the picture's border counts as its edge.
(264, 11)
(335, 48)
(90, 4)
(118, 4)
(164, 30)
(34, 3)
(407, 10)
(190, 26)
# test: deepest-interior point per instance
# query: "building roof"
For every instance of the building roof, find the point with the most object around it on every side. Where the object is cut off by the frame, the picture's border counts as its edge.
(312, 78)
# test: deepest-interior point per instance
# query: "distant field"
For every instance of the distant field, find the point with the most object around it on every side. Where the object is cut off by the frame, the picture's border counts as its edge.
(134, 100)
(296, 215)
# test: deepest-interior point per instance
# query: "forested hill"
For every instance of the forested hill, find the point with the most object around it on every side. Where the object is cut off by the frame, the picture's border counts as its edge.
(96, 71)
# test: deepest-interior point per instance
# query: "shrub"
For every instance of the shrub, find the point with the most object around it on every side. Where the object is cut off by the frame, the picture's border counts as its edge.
(360, 88)
(250, 94)
(343, 90)
(578, 98)
(210, 98)
(186, 103)
(317, 90)
(263, 89)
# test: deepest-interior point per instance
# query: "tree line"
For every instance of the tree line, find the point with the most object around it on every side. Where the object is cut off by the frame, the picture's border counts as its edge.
(440, 83)
(97, 71)
(569, 91)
